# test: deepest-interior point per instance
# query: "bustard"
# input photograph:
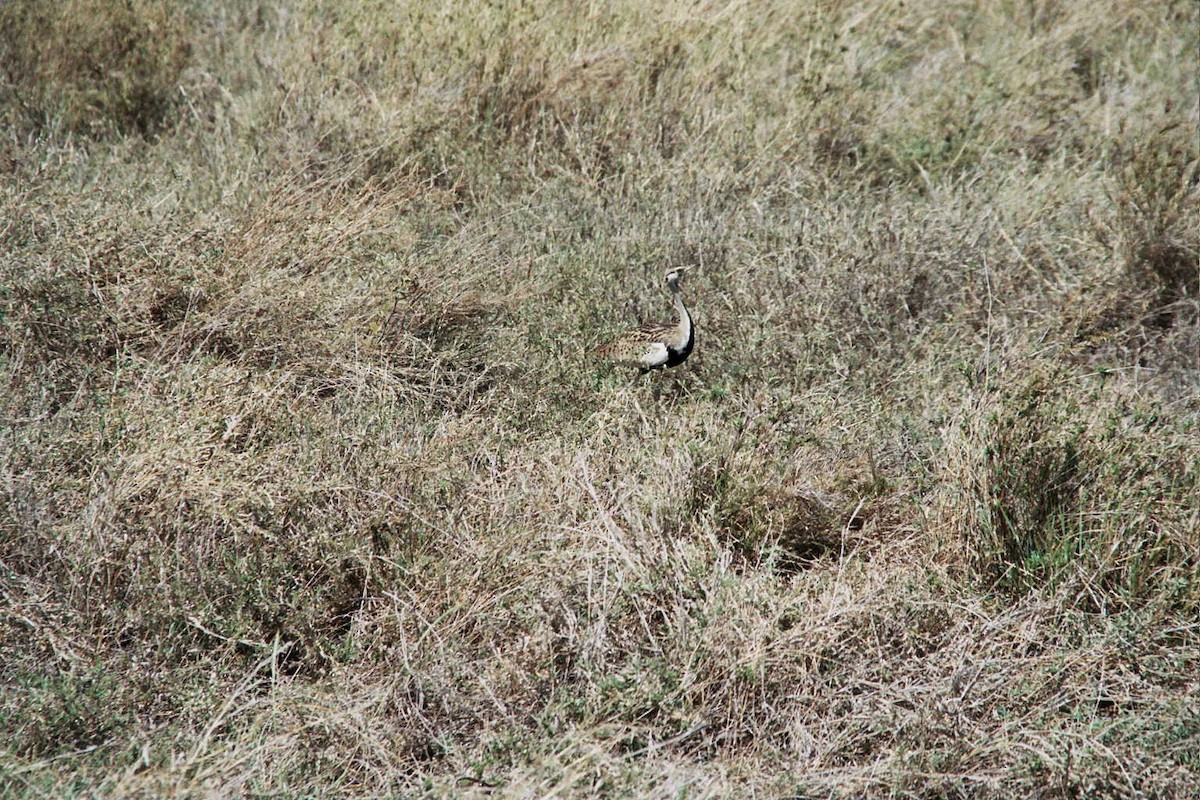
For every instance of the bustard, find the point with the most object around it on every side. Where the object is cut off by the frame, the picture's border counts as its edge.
(655, 346)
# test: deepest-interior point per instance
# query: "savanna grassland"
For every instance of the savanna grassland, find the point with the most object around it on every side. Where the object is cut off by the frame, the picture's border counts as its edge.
(312, 485)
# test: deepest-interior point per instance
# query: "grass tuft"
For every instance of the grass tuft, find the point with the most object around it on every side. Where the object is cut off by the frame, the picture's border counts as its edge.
(94, 67)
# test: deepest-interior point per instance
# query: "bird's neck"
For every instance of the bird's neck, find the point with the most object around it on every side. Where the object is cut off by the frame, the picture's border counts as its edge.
(685, 319)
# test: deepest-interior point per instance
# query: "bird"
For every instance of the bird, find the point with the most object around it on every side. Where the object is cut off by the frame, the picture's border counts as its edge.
(656, 346)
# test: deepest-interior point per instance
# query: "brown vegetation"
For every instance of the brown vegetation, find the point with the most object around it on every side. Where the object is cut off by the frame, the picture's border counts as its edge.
(310, 487)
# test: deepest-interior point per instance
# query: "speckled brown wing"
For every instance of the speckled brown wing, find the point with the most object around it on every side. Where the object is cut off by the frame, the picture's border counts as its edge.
(644, 347)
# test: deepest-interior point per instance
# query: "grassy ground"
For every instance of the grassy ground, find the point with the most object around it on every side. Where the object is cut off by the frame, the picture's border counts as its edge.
(311, 486)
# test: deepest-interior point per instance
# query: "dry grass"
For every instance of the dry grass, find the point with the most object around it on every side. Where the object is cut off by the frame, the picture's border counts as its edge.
(309, 486)
(92, 66)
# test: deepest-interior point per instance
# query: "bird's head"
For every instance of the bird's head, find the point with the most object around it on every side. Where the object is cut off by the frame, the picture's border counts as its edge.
(674, 274)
